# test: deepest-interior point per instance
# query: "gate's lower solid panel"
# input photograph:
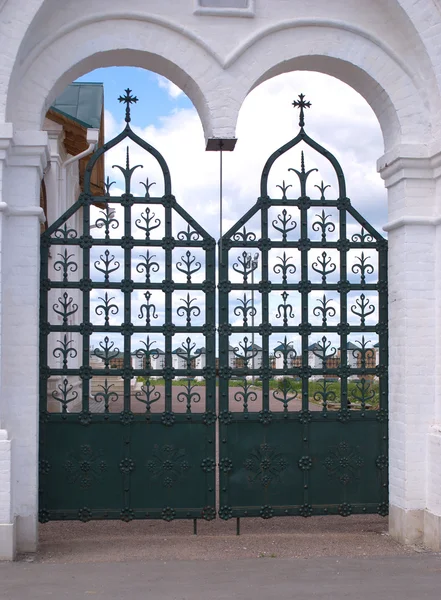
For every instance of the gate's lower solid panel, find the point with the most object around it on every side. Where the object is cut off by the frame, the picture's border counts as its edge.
(293, 468)
(140, 470)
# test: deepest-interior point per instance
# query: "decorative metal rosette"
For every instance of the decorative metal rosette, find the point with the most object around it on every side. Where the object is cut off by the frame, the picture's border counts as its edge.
(85, 417)
(208, 465)
(305, 463)
(345, 509)
(306, 510)
(382, 462)
(44, 467)
(305, 416)
(209, 417)
(226, 465)
(225, 329)
(127, 465)
(85, 514)
(208, 513)
(344, 415)
(43, 515)
(226, 417)
(383, 509)
(168, 418)
(265, 416)
(225, 512)
(126, 417)
(225, 287)
(127, 286)
(266, 512)
(126, 515)
(168, 513)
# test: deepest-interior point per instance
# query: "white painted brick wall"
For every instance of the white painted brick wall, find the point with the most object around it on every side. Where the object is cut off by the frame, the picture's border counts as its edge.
(5, 479)
(218, 60)
(388, 52)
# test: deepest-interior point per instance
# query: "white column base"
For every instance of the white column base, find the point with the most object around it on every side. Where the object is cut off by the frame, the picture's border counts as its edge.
(27, 533)
(432, 531)
(411, 527)
(7, 524)
(406, 526)
(7, 541)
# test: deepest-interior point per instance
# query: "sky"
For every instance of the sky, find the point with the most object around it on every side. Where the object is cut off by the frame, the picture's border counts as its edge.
(339, 119)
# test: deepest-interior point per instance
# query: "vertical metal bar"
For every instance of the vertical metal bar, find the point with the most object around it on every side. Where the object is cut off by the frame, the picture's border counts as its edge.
(168, 310)
(305, 297)
(195, 526)
(265, 308)
(252, 323)
(383, 364)
(210, 381)
(86, 308)
(43, 387)
(343, 313)
(221, 177)
(238, 526)
(44, 275)
(127, 362)
(223, 340)
(383, 318)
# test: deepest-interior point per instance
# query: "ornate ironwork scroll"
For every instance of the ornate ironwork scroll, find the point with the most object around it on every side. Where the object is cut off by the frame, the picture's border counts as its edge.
(303, 350)
(127, 311)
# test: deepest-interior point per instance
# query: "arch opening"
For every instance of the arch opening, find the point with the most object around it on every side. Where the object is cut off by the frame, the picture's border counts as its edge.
(112, 58)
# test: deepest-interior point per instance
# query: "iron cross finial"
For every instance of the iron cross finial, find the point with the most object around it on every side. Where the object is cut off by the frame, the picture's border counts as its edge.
(300, 103)
(128, 99)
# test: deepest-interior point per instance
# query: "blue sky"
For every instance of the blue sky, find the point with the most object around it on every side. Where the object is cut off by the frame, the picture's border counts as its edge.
(156, 99)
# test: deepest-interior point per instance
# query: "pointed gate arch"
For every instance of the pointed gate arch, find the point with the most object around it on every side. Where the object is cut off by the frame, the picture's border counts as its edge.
(127, 308)
(303, 352)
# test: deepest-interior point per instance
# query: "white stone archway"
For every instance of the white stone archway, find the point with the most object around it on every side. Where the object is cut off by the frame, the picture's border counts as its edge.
(387, 55)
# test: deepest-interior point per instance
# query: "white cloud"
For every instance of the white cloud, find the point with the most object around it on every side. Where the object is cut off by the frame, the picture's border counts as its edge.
(339, 119)
(173, 90)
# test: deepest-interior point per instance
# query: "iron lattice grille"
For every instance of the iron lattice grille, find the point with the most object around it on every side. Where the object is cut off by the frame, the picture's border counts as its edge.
(127, 309)
(303, 353)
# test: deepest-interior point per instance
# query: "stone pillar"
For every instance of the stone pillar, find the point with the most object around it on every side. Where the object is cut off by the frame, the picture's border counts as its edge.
(7, 524)
(412, 180)
(20, 305)
(432, 515)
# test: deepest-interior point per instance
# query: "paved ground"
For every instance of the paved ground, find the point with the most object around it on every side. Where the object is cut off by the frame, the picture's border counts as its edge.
(283, 558)
(386, 578)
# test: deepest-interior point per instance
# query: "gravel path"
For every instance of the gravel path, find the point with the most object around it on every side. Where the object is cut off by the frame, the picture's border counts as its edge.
(290, 537)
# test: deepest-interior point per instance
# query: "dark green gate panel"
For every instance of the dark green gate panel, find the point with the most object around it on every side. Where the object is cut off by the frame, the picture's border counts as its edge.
(127, 351)
(177, 474)
(80, 475)
(303, 349)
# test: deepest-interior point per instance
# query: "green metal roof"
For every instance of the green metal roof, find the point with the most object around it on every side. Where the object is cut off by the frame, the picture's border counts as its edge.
(82, 102)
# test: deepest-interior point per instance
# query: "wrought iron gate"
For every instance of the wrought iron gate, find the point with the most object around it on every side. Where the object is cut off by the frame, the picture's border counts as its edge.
(303, 352)
(127, 308)
(127, 353)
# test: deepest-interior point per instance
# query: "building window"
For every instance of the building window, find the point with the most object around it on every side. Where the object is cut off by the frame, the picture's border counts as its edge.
(225, 8)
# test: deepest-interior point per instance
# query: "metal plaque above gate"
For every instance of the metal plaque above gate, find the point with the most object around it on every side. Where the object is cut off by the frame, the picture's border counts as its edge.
(127, 350)
(303, 349)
